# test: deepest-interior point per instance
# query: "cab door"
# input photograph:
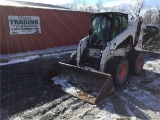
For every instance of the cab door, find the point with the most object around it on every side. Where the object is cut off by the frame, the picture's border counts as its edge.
(120, 24)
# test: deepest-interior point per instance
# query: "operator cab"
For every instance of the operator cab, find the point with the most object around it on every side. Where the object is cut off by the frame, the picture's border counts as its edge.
(105, 27)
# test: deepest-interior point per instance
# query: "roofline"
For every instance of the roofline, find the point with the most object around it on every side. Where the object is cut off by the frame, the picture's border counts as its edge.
(20, 3)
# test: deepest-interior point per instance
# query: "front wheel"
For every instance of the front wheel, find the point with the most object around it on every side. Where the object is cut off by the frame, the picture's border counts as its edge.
(118, 68)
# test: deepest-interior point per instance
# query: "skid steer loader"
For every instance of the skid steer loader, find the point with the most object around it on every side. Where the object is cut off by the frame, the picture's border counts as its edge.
(103, 59)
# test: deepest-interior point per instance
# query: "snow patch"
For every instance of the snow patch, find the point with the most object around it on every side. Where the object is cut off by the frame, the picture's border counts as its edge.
(29, 58)
(104, 115)
(68, 88)
(17, 118)
(57, 55)
(45, 51)
(85, 111)
(153, 65)
(26, 59)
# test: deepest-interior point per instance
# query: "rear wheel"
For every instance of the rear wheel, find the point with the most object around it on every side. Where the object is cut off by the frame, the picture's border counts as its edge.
(136, 62)
(118, 68)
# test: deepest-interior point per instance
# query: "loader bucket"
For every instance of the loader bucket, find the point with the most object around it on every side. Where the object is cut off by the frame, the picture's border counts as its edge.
(91, 86)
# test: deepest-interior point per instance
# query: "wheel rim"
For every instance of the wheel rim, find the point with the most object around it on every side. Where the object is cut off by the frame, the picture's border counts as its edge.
(122, 71)
(140, 64)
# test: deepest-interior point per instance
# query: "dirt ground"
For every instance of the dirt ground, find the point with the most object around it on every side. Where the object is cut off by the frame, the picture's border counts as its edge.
(153, 44)
(25, 95)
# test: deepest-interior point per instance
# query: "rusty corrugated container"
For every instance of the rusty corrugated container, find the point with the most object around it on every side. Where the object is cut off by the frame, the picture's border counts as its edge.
(58, 28)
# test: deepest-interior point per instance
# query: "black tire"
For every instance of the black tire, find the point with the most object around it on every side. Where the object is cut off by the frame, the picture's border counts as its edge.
(118, 67)
(72, 59)
(136, 61)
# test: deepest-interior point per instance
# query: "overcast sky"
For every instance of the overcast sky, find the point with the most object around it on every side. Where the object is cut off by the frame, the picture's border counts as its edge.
(106, 3)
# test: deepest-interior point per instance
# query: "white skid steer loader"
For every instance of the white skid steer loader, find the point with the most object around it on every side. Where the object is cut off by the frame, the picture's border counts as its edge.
(103, 59)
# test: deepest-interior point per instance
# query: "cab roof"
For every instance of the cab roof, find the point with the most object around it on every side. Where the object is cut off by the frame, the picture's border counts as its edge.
(106, 13)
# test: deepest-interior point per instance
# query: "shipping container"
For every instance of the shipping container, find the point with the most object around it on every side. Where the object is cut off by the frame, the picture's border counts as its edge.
(58, 28)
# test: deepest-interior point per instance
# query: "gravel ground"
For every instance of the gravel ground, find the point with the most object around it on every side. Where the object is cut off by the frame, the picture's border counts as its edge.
(24, 94)
(23, 86)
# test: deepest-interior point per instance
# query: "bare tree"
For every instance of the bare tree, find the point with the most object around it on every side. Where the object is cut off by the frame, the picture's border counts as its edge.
(158, 8)
(135, 9)
(106, 9)
(151, 16)
(68, 5)
(90, 9)
(99, 5)
(148, 16)
(116, 9)
(84, 5)
(73, 5)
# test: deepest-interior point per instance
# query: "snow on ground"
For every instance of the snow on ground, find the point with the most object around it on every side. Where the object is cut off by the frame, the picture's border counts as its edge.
(152, 65)
(20, 57)
(45, 51)
(25, 59)
(139, 99)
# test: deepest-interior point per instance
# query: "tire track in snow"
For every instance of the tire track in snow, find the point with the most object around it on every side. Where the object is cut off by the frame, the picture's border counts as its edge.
(82, 111)
(58, 111)
(149, 86)
(107, 111)
(40, 110)
(145, 110)
(69, 112)
(154, 85)
(133, 110)
(144, 97)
